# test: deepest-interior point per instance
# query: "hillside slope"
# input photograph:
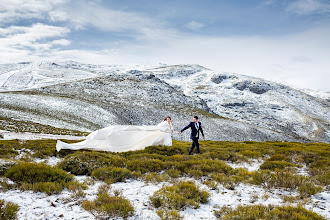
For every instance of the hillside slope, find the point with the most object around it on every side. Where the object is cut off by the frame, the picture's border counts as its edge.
(83, 97)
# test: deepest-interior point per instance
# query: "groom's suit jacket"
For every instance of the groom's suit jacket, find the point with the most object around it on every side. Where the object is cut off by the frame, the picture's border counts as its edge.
(194, 130)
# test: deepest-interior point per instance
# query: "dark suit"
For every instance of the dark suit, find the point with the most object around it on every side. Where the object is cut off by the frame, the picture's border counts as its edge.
(194, 135)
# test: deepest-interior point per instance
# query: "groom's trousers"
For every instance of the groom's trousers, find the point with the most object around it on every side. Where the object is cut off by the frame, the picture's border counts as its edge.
(193, 145)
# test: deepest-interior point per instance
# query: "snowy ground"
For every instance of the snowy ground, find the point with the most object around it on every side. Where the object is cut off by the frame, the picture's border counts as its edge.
(7, 135)
(62, 206)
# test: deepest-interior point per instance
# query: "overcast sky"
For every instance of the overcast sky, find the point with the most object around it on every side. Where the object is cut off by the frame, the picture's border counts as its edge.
(286, 41)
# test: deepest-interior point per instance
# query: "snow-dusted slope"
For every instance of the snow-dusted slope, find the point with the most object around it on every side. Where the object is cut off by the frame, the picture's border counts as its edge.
(233, 107)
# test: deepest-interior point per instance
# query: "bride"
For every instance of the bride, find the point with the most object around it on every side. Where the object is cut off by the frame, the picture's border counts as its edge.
(121, 138)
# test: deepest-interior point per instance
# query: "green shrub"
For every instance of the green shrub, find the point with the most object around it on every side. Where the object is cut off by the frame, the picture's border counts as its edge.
(85, 162)
(47, 187)
(156, 178)
(279, 157)
(308, 189)
(213, 185)
(179, 196)
(272, 165)
(174, 173)
(251, 212)
(33, 173)
(8, 210)
(112, 174)
(145, 165)
(106, 206)
(5, 164)
(203, 167)
(39, 177)
(277, 179)
(166, 214)
(251, 154)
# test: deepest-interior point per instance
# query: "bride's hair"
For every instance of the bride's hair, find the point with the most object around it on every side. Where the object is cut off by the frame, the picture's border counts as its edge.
(167, 118)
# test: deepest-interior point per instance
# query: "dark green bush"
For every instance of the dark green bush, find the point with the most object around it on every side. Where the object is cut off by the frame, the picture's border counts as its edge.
(106, 206)
(145, 165)
(252, 212)
(179, 196)
(279, 157)
(308, 189)
(8, 210)
(167, 214)
(47, 187)
(34, 173)
(285, 179)
(112, 174)
(85, 162)
(39, 177)
(272, 165)
(5, 164)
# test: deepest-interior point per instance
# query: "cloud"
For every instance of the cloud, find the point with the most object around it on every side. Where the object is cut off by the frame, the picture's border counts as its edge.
(17, 10)
(194, 25)
(306, 7)
(21, 42)
(291, 58)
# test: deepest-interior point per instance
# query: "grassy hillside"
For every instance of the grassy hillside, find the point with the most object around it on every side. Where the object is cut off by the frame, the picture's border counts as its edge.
(303, 168)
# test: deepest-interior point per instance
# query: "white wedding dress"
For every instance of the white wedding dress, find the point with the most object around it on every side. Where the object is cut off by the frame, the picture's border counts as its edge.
(121, 138)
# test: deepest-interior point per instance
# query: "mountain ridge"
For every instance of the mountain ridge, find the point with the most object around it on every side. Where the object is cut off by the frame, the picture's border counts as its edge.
(90, 96)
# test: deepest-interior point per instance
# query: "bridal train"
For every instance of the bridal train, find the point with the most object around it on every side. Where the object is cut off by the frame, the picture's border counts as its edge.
(122, 138)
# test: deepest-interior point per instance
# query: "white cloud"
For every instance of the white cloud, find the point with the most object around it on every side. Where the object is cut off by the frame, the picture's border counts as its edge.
(293, 59)
(20, 42)
(305, 7)
(16, 10)
(194, 25)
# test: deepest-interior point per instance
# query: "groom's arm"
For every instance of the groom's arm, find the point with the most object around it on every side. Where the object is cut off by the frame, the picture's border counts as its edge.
(185, 128)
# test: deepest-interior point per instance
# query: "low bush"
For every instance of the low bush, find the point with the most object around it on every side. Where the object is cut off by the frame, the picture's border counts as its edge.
(279, 157)
(145, 165)
(166, 214)
(33, 173)
(8, 210)
(5, 164)
(112, 174)
(39, 177)
(277, 179)
(106, 206)
(272, 165)
(213, 185)
(85, 162)
(47, 187)
(174, 173)
(251, 212)
(155, 177)
(179, 196)
(308, 189)
(251, 154)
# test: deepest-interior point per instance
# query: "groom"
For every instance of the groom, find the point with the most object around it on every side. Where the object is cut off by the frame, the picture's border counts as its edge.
(195, 128)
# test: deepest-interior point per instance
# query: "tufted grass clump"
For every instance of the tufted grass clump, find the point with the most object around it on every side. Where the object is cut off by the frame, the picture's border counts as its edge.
(5, 164)
(33, 173)
(106, 206)
(266, 212)
(167, 214)
(272, 165)
(8, 210)
(179, 196)
(39, 177)
(111, 174)
(85, 162)
(286, 179)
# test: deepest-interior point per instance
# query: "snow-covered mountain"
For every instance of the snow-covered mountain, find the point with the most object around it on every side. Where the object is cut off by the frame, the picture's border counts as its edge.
(86, 97)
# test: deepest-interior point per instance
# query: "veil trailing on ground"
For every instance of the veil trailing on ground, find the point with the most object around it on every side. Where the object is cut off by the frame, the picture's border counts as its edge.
(121, 138)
